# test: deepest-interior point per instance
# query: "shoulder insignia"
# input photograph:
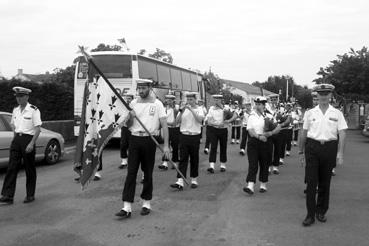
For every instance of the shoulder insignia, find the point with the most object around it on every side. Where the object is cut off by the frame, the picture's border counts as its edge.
(34, 107)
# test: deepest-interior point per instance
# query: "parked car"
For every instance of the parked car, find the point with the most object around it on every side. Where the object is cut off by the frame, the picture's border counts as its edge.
(49, 145)
(366, 127)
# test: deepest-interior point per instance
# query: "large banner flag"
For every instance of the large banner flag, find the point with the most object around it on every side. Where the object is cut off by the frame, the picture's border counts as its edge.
(103, 114)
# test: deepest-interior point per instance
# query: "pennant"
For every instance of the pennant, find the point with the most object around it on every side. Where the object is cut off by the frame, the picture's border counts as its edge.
(102, 116)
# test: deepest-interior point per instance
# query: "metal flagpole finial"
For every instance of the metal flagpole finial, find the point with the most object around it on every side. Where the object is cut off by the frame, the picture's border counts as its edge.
(83, 51)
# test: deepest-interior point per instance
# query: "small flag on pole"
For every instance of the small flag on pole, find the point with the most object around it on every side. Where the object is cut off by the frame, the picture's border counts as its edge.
(103, 114)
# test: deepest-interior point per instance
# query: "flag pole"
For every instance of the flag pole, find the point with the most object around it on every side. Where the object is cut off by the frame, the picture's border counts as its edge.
(90, 60)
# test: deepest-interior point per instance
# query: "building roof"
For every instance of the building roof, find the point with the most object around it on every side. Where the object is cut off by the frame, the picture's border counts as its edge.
(250, 89)
(39, 78)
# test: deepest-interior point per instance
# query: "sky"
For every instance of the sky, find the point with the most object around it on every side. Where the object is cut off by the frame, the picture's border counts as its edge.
(244, 41)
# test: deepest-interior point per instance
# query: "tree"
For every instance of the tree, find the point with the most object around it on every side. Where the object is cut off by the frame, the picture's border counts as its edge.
(64, 76)
(162, 55)
(349, 73)
(142, 52)
(213, 84)
(104, 47)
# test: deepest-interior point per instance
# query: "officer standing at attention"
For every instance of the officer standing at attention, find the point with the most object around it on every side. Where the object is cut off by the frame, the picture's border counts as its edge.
(258, 147)
(173, 129)
(190, 120)
(218, 132)
(319, 142)
(142, 148)
(125, 134)
(26, 123)
(245, 117)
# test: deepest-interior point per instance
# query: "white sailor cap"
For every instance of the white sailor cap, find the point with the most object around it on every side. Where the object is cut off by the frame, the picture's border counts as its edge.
(324, 88)
(21, 90)
(217, 96)
(170, 96)
(143, 81)
(260, 99)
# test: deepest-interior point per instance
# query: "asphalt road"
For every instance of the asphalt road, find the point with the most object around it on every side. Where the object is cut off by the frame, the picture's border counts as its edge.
(217, 213)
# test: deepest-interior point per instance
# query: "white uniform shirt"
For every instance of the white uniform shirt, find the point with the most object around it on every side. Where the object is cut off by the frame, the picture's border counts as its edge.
(245, 118)
(149, 113)
(215, 116)
(170, 115)
(256, 122)
(189, 123)
(26, 121)
(324, 127)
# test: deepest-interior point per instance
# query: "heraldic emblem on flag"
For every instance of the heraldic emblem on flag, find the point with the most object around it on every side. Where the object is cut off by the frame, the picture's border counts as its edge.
(103, 113)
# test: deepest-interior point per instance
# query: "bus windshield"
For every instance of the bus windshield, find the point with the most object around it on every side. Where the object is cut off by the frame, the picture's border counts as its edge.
(113, 66)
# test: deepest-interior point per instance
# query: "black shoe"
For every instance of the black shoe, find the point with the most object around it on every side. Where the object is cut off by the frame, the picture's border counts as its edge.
(194, 186)
(29, 199)
(206, 151)
(262, 190)
(321, 217)
(123, 214)
(177, 186)
(162, 167)
(275, 172)
(6, 200)
(77, 179)
(122, 166)
(248, 191)
(210, 170)
(145, 211)
(308, 221)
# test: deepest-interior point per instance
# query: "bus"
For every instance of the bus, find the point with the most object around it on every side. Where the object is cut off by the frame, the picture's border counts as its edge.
(123, 68)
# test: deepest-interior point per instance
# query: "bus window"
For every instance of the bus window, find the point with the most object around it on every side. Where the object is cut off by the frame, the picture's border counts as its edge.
(118, 66)
(186, 81)
(176, 78)
(194, 84)
(147, 70)
(164, 76)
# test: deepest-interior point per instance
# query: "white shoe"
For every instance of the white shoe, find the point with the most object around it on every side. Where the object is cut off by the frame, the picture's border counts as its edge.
(232, 142)
(242, 152)
(206, 151)
(288, 153)
(223, 167)
(237, 141)
(275, 170)
(97, 176)
(249, 188)
(281, 161)
(263, 187)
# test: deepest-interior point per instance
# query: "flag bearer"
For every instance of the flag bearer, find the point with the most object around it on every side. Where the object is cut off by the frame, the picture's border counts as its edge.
(323, 134)
(173, 129)
(190, 119)
(125, 134)
(258, 147)
(26, 123)
(142, 148)
(217, 119)
(246, 114)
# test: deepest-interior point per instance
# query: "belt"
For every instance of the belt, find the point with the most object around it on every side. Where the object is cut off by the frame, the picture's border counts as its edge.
(173, 126)
(190, 133)
(218, 127)
(22, 134)
(322, 142)
(140, 134)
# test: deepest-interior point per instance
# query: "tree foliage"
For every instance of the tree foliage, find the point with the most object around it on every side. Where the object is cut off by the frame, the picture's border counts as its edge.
(107, 47)
(278, 84)
(213, 83)
(349, 73)
(162, 55)
(64, 75)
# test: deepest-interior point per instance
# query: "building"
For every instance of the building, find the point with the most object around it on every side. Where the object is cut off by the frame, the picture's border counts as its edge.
(247, 91)
(38, 78)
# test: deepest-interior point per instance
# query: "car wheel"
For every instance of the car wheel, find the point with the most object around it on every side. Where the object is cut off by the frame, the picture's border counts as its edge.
(52, 152)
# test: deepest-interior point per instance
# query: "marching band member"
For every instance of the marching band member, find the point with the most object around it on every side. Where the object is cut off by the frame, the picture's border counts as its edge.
(236, 124)
(173, 129)
(258, 147)
(200, 103)
(245, 116)
(296, 119)
(217, 119)
(285, 119)
(124, 138)
(142, 148)
(190, 119)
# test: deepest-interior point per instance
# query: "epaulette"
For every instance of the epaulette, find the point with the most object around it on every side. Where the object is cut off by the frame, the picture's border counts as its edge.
(33, 106)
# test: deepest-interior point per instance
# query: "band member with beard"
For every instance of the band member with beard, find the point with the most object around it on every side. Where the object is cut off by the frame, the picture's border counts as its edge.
(217, 119)
(190, 120)
(151, 112)
(258, 147)
(173, 129)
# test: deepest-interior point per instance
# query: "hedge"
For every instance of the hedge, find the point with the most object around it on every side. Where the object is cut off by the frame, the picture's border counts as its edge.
(55, 101)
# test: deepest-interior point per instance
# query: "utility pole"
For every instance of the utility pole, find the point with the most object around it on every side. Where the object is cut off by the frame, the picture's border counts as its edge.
(286, 89)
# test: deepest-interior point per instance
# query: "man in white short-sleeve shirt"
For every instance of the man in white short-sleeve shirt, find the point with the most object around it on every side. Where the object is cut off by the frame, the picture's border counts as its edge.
(323, 135)
(150, 111)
